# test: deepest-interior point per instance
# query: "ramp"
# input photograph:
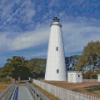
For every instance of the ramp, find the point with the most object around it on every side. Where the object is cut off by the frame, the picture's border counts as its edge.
(21, 93)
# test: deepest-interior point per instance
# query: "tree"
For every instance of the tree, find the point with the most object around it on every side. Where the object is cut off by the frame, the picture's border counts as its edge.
(5, 70)
(80, 63)
(90, 57)
(74, 58)
(18, 66)
(67, 60)
(90, 74)
(0, 69)
(15, 67)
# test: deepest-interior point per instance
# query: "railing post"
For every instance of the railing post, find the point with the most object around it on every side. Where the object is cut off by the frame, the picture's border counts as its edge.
(36, 94)
(88, 97)
(78, 96)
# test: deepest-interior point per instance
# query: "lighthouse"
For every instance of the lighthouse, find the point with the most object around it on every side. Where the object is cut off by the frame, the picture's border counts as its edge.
(55, 66)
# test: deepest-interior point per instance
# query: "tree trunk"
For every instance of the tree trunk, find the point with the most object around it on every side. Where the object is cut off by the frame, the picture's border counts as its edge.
(19, 79)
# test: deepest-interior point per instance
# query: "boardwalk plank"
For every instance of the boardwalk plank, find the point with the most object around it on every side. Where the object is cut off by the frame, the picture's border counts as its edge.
(21, 93)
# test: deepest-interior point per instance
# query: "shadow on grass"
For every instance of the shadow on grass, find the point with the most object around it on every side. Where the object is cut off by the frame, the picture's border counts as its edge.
(75, 89)
(93, 87)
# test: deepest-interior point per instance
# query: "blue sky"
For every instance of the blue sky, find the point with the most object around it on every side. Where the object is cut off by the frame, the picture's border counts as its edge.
(25, 26)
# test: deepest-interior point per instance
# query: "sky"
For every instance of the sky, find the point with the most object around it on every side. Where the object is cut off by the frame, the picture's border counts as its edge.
(25, 26)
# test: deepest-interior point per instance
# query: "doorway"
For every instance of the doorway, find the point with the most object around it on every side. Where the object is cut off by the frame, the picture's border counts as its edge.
(71, 77)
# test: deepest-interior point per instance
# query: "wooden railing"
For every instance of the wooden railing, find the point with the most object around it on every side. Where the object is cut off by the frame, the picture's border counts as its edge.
(6, 95)
(37, 95)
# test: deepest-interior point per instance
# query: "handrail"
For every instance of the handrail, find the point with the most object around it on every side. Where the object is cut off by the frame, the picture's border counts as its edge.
(37, 95)
(8, 92)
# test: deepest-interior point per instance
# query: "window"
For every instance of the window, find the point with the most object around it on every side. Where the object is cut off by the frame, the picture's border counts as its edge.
(57, 70)
(78, 75)
(56, 48)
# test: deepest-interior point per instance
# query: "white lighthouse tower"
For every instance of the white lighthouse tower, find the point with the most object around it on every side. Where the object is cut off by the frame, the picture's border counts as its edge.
(55, 67)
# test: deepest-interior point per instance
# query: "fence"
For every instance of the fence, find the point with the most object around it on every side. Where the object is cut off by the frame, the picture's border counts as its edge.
(6, 95)
(90, 80)
(35, 93)
(62, 93)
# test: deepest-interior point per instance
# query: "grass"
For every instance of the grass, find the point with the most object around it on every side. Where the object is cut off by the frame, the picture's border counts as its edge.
(89, 88)
(50, 96)
(3, 86)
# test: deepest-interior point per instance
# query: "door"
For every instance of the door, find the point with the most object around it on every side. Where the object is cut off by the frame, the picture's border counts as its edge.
(71, 77)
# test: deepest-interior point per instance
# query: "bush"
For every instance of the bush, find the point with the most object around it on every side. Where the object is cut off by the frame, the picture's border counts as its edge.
(1, 79)
(87, 75)
(90, 74)
(5, 79)
(94, 75)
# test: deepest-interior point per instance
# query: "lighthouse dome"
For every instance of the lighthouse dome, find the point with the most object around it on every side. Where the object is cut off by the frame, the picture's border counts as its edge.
(56, 19)
(56, 22)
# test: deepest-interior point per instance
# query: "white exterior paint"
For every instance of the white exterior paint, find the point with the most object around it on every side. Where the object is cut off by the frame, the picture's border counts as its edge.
(73, 76)
(55, 59)
(98, 77)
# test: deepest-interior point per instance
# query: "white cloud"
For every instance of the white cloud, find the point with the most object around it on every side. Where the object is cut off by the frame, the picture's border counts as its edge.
(37, 55)
(18, 1)
(51, 3)
(54, 3)
(24, 12)
(27, 13)
(6, 10)
(29, 39)
(77, 35)
(39, 8)
(62, 14)
(5, 43)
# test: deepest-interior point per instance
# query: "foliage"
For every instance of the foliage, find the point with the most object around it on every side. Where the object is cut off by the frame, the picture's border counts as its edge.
(67, 60)
(37, 62)
(0, 69)
(37, 67)
(71, 61)
(90, 57)
(18, 66)
(74, 58)
(73, 69)
(81, 62)
(15, 67)
(6, 80)
(90, 74)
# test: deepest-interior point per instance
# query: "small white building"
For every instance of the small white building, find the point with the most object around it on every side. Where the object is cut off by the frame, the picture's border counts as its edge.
(98, 77)
(75, 76)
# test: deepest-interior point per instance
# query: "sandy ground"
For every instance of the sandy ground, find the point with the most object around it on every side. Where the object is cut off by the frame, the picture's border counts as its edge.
(90, 88)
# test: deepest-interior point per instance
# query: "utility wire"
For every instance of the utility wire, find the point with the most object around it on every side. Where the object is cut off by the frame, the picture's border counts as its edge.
(12, 15)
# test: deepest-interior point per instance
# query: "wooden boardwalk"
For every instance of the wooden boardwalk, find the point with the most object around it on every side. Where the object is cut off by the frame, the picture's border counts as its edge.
(21, 93)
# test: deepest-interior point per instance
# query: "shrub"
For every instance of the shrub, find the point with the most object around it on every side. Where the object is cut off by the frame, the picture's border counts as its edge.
(5, 79)
(90, 74)
(87, 75)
